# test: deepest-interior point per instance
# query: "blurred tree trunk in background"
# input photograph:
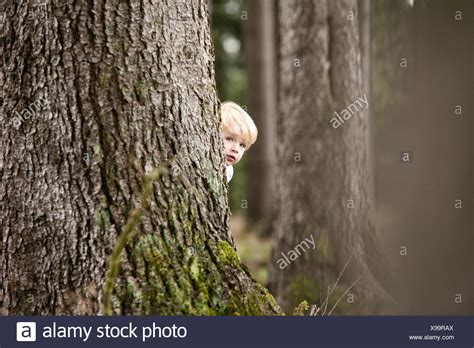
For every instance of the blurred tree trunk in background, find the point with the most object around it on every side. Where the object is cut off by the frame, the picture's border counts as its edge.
(365, 53)
(364, 41)
(209, 8)
(94, 96)
(424, 64)
(260, 55)
(323, 178)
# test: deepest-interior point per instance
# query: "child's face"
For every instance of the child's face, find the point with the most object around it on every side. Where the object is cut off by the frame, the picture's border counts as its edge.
(234, 146)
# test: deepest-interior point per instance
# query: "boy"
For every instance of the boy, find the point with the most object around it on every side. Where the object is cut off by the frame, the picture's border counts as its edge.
(239, 133)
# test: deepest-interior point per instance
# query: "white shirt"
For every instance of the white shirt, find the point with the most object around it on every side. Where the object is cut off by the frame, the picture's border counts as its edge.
(229, 171)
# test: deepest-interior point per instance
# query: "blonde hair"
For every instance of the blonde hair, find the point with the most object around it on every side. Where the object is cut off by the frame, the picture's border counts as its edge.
(237, 121)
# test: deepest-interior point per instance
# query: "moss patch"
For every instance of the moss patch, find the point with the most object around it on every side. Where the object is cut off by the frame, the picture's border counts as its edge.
(227, 254)
(305, 288)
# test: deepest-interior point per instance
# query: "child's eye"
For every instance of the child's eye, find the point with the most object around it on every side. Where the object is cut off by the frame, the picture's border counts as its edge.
(229, 139)
(242, 146)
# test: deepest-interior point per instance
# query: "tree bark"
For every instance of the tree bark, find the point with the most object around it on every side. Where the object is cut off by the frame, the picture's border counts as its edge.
(322, 182)
(260, 59)
(116, 89)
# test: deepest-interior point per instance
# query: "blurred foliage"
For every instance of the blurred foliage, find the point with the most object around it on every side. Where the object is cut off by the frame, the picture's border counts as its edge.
(253, 248)
(227, 35)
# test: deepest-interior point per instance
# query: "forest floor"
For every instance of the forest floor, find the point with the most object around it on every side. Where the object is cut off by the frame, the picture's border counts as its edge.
(254, 250)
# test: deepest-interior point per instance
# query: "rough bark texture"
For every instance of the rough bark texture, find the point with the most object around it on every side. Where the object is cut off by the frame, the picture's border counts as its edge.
(125, 87)
(262, 105)
(322, 169)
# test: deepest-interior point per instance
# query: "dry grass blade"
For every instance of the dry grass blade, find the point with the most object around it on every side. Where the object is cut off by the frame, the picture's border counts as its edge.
(127, 232)
(330, 290)
(344, 294)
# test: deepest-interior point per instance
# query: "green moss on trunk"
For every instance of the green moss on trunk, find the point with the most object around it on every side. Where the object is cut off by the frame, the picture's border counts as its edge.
(191, 283)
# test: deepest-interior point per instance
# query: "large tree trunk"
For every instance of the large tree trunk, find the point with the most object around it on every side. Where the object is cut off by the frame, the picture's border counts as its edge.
(323, 177)
(260, 59)
(116, 89)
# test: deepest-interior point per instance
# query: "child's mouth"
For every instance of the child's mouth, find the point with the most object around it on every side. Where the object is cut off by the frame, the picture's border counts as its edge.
(230, 158)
